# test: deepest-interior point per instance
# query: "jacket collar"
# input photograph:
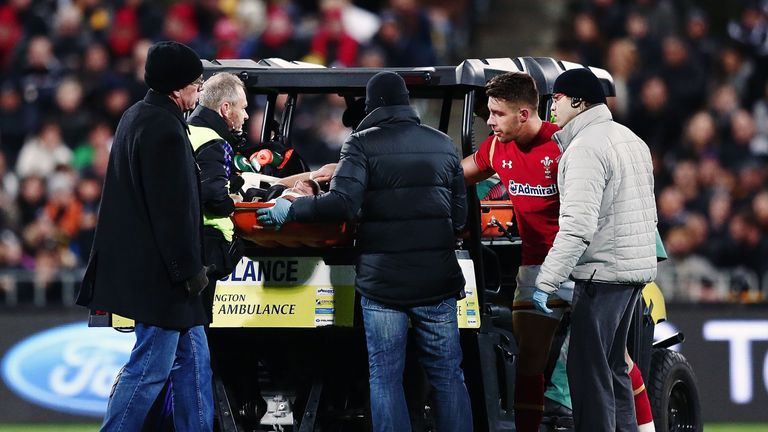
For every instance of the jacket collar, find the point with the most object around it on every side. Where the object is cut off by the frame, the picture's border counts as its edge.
(164, 101)
(387, 114)
(597, 114)
(206, 117)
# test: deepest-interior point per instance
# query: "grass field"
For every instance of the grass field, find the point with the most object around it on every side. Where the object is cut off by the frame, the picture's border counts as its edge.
(712, 427)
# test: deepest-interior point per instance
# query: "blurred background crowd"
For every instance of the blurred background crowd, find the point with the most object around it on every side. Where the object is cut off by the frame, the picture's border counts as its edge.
(690, 76)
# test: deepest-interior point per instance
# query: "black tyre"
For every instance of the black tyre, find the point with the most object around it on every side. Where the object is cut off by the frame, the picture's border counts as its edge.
(673, 393)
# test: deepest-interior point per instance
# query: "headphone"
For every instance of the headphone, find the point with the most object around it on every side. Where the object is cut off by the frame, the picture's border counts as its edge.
(575, 102)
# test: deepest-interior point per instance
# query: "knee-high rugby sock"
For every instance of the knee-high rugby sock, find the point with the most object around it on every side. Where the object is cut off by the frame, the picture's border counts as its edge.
(529, 402)
(642, 405)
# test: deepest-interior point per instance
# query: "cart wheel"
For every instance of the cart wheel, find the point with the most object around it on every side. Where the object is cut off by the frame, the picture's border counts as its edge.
(673, 393)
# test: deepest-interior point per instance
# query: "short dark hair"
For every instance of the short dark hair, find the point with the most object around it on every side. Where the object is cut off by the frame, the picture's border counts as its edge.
(515, 87)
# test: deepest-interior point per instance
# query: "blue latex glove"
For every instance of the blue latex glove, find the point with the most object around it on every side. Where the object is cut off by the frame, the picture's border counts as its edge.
(275, 215)
(540, 301)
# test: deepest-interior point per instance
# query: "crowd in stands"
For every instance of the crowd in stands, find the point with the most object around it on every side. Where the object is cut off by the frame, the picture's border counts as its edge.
(696, 92)
(692, 84)
(69, 69)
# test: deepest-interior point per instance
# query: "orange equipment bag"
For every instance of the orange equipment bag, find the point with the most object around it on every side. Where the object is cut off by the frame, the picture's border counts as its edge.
(493, 213)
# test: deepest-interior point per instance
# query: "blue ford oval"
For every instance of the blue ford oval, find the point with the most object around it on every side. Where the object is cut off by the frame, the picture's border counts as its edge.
(69, 368)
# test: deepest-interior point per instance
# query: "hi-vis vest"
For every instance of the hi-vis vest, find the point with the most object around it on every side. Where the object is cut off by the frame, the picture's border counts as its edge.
(198, 136)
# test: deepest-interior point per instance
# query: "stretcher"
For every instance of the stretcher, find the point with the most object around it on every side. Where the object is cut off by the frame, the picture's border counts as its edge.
(292, 234)
(497, 220)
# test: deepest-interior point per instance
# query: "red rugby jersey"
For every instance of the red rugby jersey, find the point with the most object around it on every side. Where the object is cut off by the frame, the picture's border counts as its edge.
(530, 176)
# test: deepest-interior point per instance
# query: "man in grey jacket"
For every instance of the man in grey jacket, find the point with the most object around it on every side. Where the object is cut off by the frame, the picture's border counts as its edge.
(606, 243)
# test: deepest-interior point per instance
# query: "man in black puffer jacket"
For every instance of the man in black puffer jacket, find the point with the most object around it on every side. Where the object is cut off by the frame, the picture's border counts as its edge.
(404, 184)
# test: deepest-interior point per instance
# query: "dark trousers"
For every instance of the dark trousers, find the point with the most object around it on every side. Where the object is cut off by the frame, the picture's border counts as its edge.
(601, 390)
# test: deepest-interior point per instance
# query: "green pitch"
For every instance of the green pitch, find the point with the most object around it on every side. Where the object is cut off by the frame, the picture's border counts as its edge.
(736, 427)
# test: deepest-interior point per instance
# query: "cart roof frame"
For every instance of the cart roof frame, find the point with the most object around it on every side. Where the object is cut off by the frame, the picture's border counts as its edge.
(282, 76)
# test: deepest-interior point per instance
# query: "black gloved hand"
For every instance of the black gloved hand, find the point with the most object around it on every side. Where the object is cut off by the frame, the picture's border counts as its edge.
(197, 283)
(235, 183)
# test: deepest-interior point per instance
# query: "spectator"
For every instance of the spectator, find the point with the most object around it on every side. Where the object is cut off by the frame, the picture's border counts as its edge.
(661, 16)
(700, 138)
(226, 38)
(588, 40)
(10, 253)
(63, 209)
(95, 73)
(70, 114)
(124, 32)
(735, 70)
(41, 73)
(724, 101)
(15, 120)
(738, 147)
(622, 63)
(718, 214)
(648, 46)
(99, 140)
(11, 34)
(671, 209)
(331, 45)
(684, 81)
(31, 199)
(610, 16)
(278, 38)
(9, 189)
(405, 35)
(43, 152)
(685, 180)
(654, 118)
(704, 47)
(69, 39)
(89, 195)
(760, 209)
(686, 276)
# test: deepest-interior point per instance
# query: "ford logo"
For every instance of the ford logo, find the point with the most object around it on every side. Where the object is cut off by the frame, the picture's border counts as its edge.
(69, 368)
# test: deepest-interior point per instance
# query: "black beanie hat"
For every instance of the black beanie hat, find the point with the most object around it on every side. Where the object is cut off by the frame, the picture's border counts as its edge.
(385, 89)
(171, 66)
(580, 83)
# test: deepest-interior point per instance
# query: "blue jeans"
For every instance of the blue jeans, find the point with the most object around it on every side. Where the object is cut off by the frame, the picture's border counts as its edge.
(160, 354)
(436, 334)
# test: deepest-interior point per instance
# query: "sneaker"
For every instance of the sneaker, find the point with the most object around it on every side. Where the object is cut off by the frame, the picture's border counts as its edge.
(556, 416)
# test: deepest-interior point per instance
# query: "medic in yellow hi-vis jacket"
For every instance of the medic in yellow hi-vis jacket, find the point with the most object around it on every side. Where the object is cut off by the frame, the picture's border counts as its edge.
(214, 128)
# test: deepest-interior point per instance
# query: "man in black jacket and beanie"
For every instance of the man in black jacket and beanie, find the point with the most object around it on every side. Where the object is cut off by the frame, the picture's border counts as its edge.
(147, 257)
(404, 184)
